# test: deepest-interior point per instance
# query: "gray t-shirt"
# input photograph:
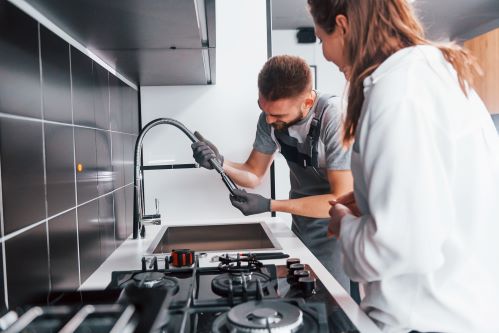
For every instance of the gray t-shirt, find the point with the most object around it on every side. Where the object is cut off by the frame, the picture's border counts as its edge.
(332, 154)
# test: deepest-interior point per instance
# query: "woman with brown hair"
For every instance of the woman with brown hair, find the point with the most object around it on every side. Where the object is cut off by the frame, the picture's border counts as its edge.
(419, 231)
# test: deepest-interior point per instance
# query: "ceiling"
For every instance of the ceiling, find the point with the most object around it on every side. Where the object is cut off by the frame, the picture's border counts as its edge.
(443, 19)
(153, 42)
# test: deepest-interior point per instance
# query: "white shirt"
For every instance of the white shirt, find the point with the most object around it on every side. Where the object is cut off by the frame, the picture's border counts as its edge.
(426, 170)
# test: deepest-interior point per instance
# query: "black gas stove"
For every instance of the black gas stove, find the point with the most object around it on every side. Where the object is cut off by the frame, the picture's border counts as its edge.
(241, 294)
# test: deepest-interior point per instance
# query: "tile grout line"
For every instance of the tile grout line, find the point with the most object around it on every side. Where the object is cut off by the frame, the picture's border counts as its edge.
(16, 117)
(44, 156)
(31, 226)
(74, 166)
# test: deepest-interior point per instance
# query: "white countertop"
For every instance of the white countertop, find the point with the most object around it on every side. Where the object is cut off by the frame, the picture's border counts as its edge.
(128, 257)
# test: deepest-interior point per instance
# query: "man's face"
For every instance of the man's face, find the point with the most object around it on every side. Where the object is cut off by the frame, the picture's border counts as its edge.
(285, 112)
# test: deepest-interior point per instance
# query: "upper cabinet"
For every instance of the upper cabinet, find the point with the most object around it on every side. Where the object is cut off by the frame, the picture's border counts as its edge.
(153, 42)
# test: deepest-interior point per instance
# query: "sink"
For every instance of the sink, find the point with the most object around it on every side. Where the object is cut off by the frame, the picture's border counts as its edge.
(215, 237)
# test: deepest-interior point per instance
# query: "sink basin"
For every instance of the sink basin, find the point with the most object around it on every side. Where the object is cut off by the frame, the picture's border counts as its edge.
(215, 237)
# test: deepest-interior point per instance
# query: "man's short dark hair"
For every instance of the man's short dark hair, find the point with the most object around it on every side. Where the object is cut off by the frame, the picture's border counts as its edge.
(284, 76)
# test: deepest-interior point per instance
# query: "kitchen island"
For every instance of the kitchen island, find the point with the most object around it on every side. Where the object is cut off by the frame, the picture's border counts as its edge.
(128, 257)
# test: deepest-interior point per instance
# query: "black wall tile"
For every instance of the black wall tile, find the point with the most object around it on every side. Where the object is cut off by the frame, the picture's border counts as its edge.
(63, 252)
(86, 154)
(106, 224)
(56, 77)
(101, 96)
(21, 153)
(83, 89)
(29, 251)
(128, 160)
(135, 112)
(3, 308)
(20, 92)
(104, 173)
(117, 160)
(116, 103)
(89, 234)
(120, 216)
(128, 108)
(129, 209)
(60, 168)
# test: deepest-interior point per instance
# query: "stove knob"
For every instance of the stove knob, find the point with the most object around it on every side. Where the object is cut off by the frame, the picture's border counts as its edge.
(167, 263)
(291, 261)
(307, 285)
(299, 274)
(295, 267)
(144, 264)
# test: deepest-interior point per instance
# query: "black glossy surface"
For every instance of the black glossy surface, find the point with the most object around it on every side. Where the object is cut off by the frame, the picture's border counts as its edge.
(104, 173)
(117, 160)
(89, 233)
(23, 189)
(101, 96)
(128, 157)
(3, 308)
(135, 35)
(129, 208)
(63, 252)
(28, 250)
(60, 168)
(106, 225)
(85, 148)
(128, 108)
(135, 112)
(19, 63)
(83, 89)
(120, 216)
(116, 103)
(56, 77)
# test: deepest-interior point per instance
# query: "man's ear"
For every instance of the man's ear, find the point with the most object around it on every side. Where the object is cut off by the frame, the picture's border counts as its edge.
(309, 101)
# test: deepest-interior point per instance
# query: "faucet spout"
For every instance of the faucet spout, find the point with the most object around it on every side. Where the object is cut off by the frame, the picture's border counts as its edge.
(139, 216)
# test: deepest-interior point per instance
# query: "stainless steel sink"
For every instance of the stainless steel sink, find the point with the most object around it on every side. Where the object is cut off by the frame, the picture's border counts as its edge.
(215, 237)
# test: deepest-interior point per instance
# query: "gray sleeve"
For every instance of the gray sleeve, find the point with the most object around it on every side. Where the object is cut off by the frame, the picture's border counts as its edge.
(337, 156)
(263, 138)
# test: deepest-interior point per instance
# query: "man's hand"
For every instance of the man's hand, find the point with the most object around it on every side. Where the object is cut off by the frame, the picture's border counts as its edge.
(348, 200)
(203, 151)
(249, 203)
(337, 212)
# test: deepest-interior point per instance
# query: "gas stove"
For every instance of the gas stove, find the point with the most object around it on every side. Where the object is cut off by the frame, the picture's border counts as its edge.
(241, 294)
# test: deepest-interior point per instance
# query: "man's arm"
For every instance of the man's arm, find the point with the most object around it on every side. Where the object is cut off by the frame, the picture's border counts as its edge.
(250, 173)
(340, 182)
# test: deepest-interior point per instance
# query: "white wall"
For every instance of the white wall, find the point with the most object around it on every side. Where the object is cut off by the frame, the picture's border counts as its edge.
(225, 113)
(329, 79)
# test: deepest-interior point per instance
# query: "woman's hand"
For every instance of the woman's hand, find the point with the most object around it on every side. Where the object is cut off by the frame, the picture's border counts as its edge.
(337, 212)
(348, 200)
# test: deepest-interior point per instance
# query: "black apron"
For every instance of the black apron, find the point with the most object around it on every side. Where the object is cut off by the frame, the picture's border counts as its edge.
(307, 179)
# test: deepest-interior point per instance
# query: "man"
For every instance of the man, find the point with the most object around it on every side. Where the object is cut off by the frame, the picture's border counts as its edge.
(305, 126)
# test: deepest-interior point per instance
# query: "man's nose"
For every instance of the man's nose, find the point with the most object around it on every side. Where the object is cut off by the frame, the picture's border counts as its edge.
(269, 119)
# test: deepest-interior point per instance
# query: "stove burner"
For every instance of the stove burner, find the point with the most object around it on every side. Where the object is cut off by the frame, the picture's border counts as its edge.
(153, 280)
(221, 283)
(235, 264)
(260, 316)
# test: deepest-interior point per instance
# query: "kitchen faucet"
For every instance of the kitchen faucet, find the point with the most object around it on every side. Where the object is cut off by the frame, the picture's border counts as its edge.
(139, 216)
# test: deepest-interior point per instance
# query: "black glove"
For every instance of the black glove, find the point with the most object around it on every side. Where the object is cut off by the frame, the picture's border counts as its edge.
(249, 203)
(204, 150)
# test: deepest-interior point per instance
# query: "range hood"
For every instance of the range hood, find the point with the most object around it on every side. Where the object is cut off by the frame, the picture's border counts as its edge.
(153, 42)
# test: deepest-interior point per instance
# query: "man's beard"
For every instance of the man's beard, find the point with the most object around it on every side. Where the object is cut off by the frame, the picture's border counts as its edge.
(282, 126)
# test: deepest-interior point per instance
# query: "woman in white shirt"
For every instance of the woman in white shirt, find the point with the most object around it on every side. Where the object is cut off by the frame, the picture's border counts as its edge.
(420, 230)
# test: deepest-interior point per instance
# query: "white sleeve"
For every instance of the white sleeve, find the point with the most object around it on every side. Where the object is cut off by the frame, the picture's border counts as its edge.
(408, 195)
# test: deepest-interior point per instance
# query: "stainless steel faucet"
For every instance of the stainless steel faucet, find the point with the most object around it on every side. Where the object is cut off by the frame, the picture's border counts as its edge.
(139, 216)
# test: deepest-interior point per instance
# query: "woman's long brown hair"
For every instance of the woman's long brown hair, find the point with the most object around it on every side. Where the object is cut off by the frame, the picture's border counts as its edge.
(379, 28)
